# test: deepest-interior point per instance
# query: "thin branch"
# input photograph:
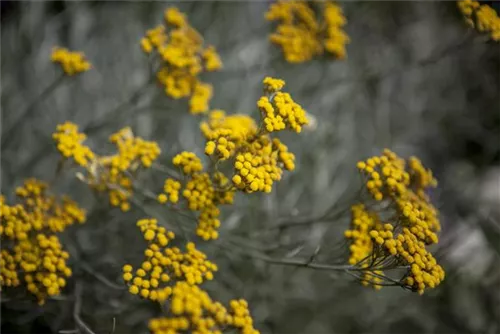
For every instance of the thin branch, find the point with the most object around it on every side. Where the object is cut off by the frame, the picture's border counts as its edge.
(164, 169)
(87, 268)
(77, 309)
(114, 326)
(290, 262)
(324, 218)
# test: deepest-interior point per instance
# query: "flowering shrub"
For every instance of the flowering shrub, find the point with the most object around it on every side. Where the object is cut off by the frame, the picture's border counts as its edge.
(482, 17)
(302, 35)
(391, 229)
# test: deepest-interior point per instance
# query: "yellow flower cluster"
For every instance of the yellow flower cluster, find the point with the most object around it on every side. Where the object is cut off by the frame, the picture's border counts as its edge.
(272, 85)
(171, 188)
(195, 312)
(362, 223)
(302, 36)
(183, 57)
(361, 247)
(202, 191)
(212, 59)
(37, 211)
(336, 38)
(69, 144)
(205, 194)
(132, 151)
(111, 174)
(483, 17)
(279, 110)
(165, 265)
(411, 221)
(225, 133)
(202, 94)
(189, 162)
(28, 230)
(260, 164)
(167, 273)
(71, 62)
(44, 265)
(258, 159)
(8, 269)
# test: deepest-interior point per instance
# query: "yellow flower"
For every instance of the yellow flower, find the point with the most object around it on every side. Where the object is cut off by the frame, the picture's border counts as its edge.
(482, 17)
(71, 62)
(183, 57)
(401, 184)
(300, 33)
(202, 94)
(69, 144)
(224, 134)
(111, 174)
(273, 84)
(194, 309)
(164, 265)
(188, 161)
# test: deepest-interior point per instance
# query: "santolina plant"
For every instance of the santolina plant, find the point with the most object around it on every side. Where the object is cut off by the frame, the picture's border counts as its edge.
(391, 230)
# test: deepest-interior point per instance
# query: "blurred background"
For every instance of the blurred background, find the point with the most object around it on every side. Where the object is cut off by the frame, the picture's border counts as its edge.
(417, 80)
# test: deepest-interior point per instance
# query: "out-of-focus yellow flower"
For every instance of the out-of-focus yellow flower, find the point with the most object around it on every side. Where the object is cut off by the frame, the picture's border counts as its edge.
(69, 144)
(482, 17)
(212, 59)
(188, 161)
(336, 38)
(300, 33)
(202, 94)
(174, 17)
(71, 62)
(273, 85)
(183, 57)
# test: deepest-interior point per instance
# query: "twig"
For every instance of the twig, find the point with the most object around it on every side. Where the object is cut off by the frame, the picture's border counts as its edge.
(324, 218)
(164, 169)
(291, 262)
(77, 309)
(101, 278)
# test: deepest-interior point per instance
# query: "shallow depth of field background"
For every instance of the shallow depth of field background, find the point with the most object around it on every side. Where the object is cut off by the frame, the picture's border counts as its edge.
(416, 80)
